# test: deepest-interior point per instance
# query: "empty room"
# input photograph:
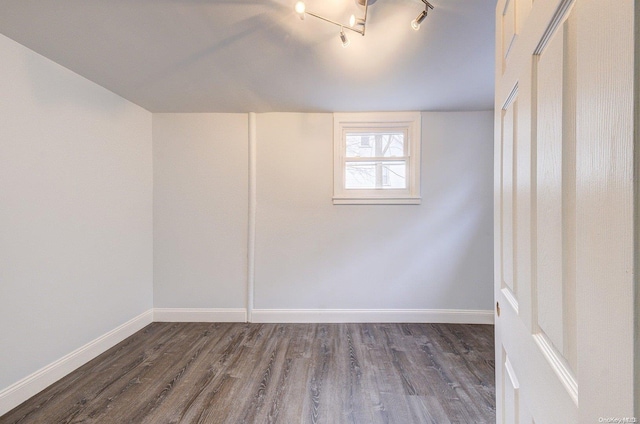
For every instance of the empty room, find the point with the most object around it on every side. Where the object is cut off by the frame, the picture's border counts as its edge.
(344, 211)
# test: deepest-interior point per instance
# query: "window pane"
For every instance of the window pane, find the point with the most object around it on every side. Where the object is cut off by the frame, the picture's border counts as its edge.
(376, 175)
(394, 175)
(368, 144)
(360, 175)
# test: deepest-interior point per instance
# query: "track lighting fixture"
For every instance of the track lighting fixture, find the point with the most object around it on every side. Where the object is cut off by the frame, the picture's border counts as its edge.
(355, 24)
(343, 38)
(358, 25)
(415, 24)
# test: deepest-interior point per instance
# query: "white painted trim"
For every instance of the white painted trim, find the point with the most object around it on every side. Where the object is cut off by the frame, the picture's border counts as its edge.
(508, 294)
(251, 225)
(377, 201)
(410, 123)
(511, 374)
(450, 316)
(22, 390)
(558, 364)
(199, 315)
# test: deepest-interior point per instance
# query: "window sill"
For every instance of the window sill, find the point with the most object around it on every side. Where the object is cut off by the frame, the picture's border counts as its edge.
(377, 200)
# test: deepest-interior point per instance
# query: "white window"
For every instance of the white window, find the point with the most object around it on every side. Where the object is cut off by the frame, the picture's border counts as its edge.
(376, 158)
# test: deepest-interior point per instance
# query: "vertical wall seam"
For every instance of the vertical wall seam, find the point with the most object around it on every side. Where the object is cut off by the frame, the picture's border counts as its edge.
(636, 207)
(251, 226)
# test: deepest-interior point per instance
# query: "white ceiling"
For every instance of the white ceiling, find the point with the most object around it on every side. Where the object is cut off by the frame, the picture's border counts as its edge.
(257, 55)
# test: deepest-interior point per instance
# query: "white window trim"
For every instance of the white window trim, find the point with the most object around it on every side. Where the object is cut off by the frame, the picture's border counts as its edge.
(409, 121)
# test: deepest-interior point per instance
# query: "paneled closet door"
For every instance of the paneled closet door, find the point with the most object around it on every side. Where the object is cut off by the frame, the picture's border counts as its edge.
(564, 211)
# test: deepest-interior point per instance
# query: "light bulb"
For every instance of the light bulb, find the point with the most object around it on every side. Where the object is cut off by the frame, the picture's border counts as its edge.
(300, 8)
(415, 24)
(352, 20)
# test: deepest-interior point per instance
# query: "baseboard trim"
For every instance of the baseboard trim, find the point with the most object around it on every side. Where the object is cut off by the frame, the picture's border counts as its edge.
(449, 316)
(199, 315)
(22, 390)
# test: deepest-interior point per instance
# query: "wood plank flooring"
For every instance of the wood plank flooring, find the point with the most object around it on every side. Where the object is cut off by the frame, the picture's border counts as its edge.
(280, 373)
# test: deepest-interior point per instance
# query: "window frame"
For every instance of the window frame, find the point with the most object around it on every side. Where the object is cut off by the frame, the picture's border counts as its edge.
(408, 122)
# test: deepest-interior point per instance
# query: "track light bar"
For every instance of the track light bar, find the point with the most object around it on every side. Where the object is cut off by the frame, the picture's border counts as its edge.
(358, 25)
(355, 24)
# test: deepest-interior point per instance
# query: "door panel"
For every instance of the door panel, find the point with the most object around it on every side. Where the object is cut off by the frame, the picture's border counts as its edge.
(508, 26)
(554, 304)
(511, 393)
(549, 205)
(509, 137)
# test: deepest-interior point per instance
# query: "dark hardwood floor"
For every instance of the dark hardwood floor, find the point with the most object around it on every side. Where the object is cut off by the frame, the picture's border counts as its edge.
(280, 373)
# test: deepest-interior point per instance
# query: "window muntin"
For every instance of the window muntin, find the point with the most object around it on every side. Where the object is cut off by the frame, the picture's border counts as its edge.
(375, 159)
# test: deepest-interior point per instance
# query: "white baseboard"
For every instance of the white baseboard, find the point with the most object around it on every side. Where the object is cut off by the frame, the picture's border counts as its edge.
(22, 390)
(450, 316)
(199, 315)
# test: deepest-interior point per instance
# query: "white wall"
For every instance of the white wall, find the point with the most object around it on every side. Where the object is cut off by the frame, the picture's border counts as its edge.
(75, 211)
(200, 210)
(311, 254)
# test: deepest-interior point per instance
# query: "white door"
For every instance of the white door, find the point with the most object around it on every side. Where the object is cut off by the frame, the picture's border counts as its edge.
(564, 244)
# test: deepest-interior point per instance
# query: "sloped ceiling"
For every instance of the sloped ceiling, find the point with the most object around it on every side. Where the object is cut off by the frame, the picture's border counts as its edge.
(257, 55)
